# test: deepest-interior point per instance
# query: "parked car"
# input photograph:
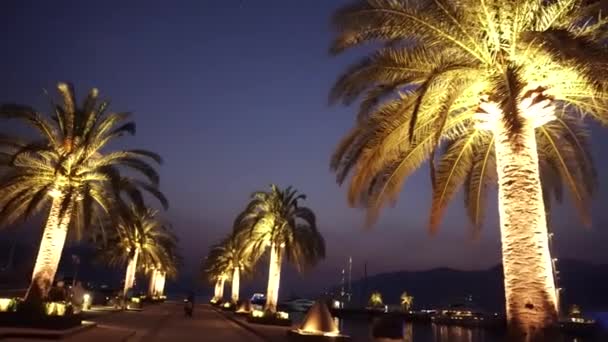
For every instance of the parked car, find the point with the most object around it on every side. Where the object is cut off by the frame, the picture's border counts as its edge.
(258, 300)
(300, 305)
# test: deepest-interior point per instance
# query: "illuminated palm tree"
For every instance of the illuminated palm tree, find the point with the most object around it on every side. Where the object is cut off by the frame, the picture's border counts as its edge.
(494, 81)
(166, 266)
(216, 271)
(167, 269)
(237, 257)
(375, 300)
(138, 239)
(406, 301)
(64, 165)
(275, 219)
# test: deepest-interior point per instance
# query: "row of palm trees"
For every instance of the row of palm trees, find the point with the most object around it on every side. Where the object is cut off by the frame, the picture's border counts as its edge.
(143, 242)
(497, 90)
(272, 220)
(67, 168)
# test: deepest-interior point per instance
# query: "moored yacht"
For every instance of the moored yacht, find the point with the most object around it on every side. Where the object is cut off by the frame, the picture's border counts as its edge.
(576, 323)
(468, 315)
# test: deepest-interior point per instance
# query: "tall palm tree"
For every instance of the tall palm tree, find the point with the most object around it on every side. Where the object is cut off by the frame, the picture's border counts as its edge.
(166, 266)
(237, 257)
(214, 268)
(153, 281)
(64, 166)
(275, 219)
(475, 75)
(138, 239)
(158, 277)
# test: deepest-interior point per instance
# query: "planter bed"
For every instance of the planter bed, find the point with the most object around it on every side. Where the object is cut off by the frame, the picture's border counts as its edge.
(27, 320)
(295, 336)
(269, 320)
(230, 307)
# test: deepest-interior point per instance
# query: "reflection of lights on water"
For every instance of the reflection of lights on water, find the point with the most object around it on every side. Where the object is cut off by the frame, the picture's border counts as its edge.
(408, 332)
(440, 332)
(444, 333)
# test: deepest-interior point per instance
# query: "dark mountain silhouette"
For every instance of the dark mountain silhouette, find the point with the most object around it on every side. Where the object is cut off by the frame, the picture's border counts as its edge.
(583, 283)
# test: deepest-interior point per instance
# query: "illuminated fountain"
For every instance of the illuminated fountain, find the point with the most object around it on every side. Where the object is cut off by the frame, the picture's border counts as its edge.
(318, 325)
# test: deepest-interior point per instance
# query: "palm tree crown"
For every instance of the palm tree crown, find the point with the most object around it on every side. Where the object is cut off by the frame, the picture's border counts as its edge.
(235, 251)
(274, 217)
(143, 232)
(441, 59)
(214, 267)
(68, 158)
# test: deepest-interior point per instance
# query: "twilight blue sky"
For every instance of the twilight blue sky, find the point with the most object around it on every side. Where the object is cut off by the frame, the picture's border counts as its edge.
(233, 94)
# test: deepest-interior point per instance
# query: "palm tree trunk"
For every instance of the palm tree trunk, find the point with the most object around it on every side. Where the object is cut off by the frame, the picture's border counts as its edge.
(274, 278)
(528, 275)
(130, 274)
(221, 288)
(216, 291)
(153, 283)
(235, 285)
(160, 283)
(51, 247)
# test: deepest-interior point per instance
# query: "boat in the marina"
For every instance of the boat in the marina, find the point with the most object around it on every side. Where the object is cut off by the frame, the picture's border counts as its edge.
(576, 323)
(467, 316)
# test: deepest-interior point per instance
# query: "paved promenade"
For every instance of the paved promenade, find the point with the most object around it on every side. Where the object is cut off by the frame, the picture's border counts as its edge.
(164, 322)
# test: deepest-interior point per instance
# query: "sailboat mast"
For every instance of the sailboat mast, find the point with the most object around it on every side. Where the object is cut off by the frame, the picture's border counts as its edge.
(350, 274)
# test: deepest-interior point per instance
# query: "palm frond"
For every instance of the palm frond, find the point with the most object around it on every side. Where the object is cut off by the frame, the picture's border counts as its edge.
(66, 156)
(451, 173)
(275, 217)
(365, 21)
(562, 151)
(481, 175)
(436, 61)
(29, 115)
(506, 91)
